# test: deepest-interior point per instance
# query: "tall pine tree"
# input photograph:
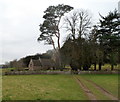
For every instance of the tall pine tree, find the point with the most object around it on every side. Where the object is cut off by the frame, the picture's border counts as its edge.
(109, 36)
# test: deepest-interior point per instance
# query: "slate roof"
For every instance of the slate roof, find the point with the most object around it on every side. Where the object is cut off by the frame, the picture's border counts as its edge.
(47, 62)
(43, 62)
(36, 62)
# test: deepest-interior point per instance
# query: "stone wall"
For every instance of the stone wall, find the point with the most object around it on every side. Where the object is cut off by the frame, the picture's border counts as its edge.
(57, 72)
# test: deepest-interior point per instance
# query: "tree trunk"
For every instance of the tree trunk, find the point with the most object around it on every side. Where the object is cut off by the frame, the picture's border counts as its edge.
(59, 55)
(94, 66)
(112, 67)
(80, 67)
(53, 44)
(58, 43)
(59, 59)
(57, 50)
(100, 66)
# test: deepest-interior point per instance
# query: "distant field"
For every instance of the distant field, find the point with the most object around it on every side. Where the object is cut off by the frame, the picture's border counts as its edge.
(7, 69)
(55, 87)
(106, 66)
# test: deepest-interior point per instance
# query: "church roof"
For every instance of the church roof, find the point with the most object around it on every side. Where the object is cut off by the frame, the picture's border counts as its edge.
(43, 62)
(47, 62)
(36, 63)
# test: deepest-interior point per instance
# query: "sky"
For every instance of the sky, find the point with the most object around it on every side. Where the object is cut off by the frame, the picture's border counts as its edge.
(20, 19)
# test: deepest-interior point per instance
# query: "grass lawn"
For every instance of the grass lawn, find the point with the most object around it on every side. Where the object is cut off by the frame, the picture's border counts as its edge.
(7, 69)
(106, 66)
(55, 87)
(41, 87)
(108, 82)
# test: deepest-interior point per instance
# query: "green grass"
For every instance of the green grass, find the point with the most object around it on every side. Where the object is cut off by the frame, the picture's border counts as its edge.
(55, 87)
(96, 92)
(106, 66)
(41, 87)
(7, 69)
(108, 82)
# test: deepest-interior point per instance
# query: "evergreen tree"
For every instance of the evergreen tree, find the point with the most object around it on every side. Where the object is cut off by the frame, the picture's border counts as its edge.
(109, 36)
(50, 29)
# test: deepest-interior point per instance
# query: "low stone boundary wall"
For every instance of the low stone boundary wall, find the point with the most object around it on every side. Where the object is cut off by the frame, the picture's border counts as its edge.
(57, 72)
(98, 72)
(34, 72)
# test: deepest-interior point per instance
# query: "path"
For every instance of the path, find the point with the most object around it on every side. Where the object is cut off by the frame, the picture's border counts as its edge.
(90, 93)
(105, 92)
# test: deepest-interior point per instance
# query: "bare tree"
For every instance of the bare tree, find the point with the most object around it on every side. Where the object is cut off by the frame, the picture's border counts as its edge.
(77, 23)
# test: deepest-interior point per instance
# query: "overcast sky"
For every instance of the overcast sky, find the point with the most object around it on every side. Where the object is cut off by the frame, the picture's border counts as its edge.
(20, 19)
